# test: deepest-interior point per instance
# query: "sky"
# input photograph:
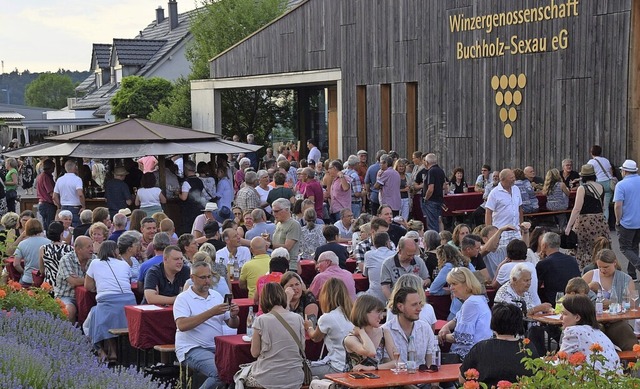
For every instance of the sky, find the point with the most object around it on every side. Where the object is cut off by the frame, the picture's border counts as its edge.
(46, 35)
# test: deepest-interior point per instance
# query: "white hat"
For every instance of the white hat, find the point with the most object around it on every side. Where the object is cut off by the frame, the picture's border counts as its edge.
(630, 166)
(125, 211)
(210, 207)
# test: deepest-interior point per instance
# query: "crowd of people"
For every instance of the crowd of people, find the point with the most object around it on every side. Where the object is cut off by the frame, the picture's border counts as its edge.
(254, 219)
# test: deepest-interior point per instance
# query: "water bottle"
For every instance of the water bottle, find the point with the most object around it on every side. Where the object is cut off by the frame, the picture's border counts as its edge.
(236, 269)
(412, 365)
(250, 318)
(626, 301)
(614, 305)
(436, 357)
(599, 303)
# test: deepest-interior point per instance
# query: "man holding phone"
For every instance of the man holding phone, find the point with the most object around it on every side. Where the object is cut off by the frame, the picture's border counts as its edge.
(199, 313)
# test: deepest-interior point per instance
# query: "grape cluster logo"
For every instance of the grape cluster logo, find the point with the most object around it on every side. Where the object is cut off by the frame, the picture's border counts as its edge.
(508, 96)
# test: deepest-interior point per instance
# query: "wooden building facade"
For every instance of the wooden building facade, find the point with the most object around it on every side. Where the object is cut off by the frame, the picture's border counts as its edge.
(508, 83)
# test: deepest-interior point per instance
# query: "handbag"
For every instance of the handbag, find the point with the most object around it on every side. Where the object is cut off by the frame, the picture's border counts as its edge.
(569, 242)
(241, 375)
(612, 180)
(306, 368)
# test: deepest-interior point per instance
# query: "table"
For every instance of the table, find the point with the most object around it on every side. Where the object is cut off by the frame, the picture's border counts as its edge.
(149, 328)
(604, 318)
(237, 292)
(307, 270)
(351, 265)
(232, 351)
(86, 300)
(472, 200)
(362, 282)
(447, 373)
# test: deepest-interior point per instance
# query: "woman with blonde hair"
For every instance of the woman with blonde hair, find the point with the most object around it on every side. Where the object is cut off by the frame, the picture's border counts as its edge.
(98, 232)
(557, 195)
(473, 321)
(427, 314)
(332, 327)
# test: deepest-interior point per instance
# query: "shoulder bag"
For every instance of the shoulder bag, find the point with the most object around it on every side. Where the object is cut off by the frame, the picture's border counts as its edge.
(612, 180)
(305, 363)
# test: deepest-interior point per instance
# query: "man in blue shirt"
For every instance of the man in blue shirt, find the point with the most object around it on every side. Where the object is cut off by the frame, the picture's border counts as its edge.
(369, 180)
(160, 241)
(627, 209)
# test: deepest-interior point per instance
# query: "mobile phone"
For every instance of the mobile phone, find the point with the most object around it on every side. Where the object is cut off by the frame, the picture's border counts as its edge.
(357, 376)
(313, 319)
(370, 375)
(227, 298)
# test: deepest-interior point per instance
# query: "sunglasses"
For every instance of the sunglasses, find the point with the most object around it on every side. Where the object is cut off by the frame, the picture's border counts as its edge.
(431, 369)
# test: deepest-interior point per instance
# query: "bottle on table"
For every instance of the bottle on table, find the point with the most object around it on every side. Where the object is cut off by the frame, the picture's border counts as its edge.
(236, 269)
(614, 304)
(250, 319)
(436, 356)
(599, 303)
(412, 365)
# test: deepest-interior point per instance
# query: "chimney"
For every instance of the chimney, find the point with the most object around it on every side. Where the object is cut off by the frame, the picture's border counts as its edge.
(159, 15)
(173, 14)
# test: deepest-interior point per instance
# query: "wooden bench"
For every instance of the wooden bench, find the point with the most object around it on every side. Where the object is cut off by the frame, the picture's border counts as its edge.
(543, 213)
(166, 352)
(628, 356)
(121, 333)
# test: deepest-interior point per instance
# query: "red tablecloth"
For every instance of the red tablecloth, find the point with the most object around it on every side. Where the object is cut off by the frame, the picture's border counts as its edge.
(244, 305)
(13, 273)
(362, 282)
(86, 300)
(149, 328)
(232, 351)
(237, 292)
(307, 270)
(351, 265)
(472, 200)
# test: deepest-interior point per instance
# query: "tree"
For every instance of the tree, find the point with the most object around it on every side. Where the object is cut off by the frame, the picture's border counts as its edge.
(139, 96)
(220, 25)
(49, 90)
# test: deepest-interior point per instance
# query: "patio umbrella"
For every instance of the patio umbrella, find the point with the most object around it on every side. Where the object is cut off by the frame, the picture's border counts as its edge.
(132, 138)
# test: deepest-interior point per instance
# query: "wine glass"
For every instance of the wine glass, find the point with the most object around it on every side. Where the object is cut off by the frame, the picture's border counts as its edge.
(396, 357)
(559, 298)
(634, 296)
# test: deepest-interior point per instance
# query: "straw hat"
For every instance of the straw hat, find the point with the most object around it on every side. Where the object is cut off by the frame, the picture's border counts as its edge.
(587, 170)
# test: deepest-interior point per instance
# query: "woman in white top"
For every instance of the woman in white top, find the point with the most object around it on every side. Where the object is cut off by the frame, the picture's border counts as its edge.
(604, 174)
(427, 314)
(332, 327)
(111, 279)
(150, 198)
(581, 331)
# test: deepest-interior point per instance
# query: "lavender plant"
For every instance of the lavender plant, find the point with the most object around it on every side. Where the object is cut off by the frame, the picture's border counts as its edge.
(43, 351)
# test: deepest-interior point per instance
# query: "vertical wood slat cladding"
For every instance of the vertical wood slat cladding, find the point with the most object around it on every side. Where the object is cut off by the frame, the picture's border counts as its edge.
(574, 97)
(385, 116)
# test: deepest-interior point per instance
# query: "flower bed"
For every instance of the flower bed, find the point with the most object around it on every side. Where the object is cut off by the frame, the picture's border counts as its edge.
(40, 350)
(564, 370)
(14, 296)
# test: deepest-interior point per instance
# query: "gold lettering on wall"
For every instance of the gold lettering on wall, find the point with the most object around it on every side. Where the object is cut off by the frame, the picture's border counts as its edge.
(508, 89)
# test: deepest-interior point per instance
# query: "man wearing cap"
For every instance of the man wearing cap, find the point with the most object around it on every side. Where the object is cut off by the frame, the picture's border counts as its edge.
(68, 192)
(116, 191)
(362, 166)
(44, 189)
(314, 152)
(207, 215)
(627, 209)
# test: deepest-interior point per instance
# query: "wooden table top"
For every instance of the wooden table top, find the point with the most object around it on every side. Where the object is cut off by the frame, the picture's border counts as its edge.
(447, 373)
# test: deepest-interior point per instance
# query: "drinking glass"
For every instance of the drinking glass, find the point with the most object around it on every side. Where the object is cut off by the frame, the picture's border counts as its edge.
(559, 298)
(634, 296)
(396, 357)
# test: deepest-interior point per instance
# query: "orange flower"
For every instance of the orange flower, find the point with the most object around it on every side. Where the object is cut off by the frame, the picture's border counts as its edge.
(60, 303)
(577, 359)
(631, 365)
(636, 348)
(14, 285)
(471, 374)
(471, 385)
(505, 384)
(31, 293)
(525, 341)
(596, 348)
(3, 294)
(46, 286)
(562, 355)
